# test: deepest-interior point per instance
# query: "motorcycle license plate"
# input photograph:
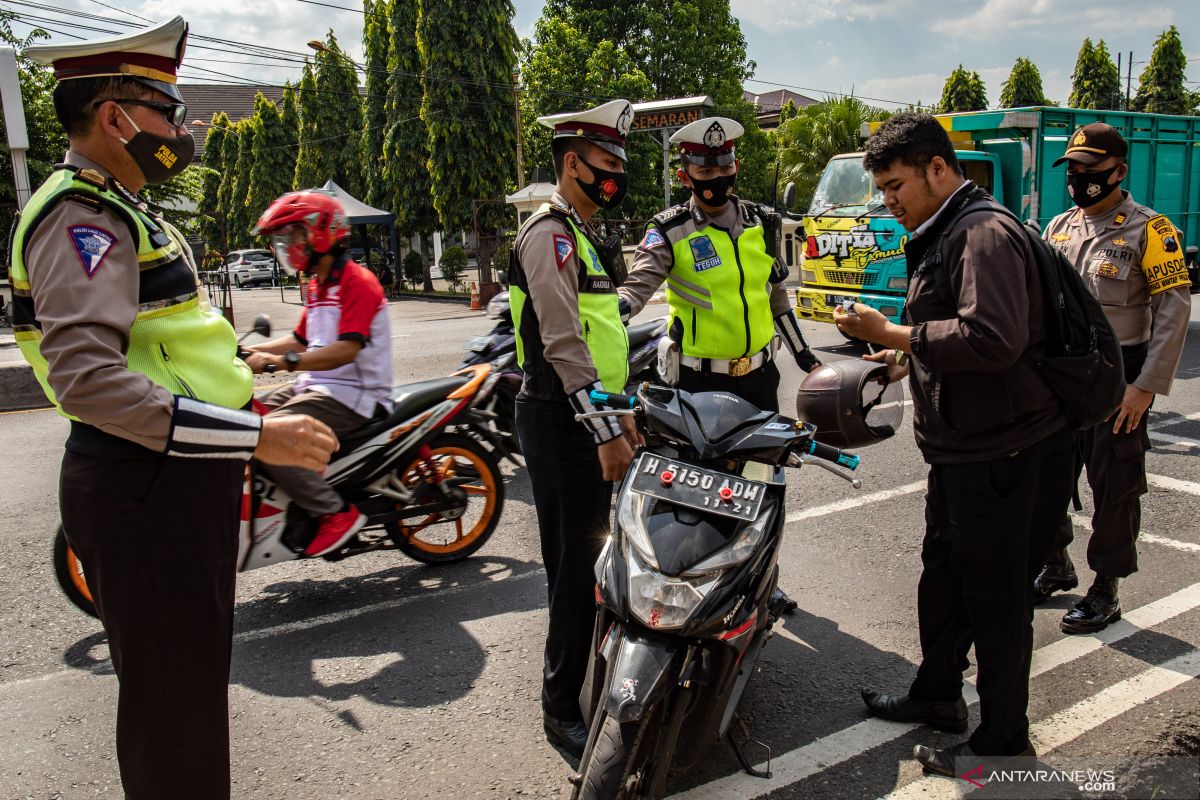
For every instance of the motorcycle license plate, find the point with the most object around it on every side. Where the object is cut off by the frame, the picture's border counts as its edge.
(479, 343)
(696, 487)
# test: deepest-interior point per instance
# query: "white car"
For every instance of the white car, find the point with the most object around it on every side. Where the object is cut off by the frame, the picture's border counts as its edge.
(250, 267)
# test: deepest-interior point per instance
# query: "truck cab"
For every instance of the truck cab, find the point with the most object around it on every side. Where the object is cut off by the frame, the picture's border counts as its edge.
(851, 248)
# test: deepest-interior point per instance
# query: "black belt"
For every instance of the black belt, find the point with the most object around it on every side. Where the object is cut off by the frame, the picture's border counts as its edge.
(88, 440)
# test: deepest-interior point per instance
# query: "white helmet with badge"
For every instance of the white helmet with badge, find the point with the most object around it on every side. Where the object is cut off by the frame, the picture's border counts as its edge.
(708, 141)
(605, 125)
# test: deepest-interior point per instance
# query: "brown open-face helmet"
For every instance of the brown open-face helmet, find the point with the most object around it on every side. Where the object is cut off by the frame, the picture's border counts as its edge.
(849, 403)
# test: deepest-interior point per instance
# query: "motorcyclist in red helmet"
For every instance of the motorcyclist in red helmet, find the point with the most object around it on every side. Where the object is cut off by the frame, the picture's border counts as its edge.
(342, 347)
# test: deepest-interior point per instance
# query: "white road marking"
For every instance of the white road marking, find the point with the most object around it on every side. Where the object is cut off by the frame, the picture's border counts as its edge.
(1191, 444)
(845, 744)
(1174, 484)
(1085, 525)
(855, 502)
(1069, 724)
(1169, 421)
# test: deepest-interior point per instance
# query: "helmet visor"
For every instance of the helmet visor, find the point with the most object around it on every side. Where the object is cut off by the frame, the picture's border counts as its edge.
(290, 245)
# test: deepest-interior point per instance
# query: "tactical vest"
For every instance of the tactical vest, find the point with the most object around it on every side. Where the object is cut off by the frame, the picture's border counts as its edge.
(718, 289)
(176, 340)
(599, 314)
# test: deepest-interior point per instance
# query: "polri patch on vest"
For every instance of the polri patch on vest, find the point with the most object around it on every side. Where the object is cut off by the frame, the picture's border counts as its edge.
(91, 245)
(652, 239)
(564, 248)
(704, 254)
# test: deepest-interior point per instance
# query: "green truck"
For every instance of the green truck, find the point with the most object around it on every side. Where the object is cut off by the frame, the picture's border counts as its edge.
(848, 246)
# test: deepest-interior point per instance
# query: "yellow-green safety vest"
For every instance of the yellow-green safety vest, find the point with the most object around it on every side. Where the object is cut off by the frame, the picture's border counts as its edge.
(176, 340)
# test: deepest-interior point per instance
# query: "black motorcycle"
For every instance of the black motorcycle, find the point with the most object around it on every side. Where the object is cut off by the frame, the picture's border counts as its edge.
(498, 348)
(684, 583)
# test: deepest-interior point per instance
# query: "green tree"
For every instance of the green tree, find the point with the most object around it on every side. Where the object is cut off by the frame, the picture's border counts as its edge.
(1023, 87)
(963, 91)
(406, 139)
(377, 46)
(1161, 87)
(270, 176)
(225, 191)
(290, 117)
(238, 215)
(415, 270)
(789, 111)
(818, 133)
(453, 265)
(212, 221)
(330, 121)
(47, 139)
(468, 52)
(1095, 82)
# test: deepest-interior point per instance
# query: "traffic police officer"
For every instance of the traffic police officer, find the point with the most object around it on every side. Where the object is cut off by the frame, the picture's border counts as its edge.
(108, 312)
(570, 341)
(725, 281)
(1131, 257)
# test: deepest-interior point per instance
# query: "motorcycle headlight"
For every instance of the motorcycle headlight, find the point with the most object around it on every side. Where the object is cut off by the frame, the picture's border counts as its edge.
(660, 601)
(631, 518)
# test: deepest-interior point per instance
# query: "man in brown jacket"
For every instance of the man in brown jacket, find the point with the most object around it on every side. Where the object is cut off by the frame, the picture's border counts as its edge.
(999, 447)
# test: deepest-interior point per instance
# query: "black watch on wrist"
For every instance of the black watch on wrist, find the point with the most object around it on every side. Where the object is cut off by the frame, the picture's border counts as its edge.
(292, 359)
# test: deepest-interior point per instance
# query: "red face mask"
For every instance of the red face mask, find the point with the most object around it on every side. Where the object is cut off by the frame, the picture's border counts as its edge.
(291, 249)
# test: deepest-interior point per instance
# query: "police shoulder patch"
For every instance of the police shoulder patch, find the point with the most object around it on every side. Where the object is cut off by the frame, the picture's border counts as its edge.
(652, 239)
(675, 215)
(564, 248)
(91, 245)
(1162, 259)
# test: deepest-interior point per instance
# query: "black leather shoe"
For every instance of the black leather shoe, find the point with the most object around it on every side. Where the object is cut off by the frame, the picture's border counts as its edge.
(780, 604)
(570, 735)
(945, 715)
(1057, 576)
(1095, 612)
(958, 759)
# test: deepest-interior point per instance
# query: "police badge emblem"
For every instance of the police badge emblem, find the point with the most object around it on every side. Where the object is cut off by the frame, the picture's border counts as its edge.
(625, 120)
(715, 135)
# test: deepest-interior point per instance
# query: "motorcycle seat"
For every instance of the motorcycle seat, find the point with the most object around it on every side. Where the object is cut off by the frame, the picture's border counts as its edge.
(640, 334)
(407, 401)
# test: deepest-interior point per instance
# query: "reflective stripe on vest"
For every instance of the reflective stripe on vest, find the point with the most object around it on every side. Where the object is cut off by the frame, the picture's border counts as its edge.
(599, 313)
(718, 289)
(176, 339)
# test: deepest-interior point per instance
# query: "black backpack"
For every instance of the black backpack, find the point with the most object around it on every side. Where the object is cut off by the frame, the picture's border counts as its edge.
(1081, 361)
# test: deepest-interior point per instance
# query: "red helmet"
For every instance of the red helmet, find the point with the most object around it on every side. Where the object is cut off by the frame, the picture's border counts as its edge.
(301, 225)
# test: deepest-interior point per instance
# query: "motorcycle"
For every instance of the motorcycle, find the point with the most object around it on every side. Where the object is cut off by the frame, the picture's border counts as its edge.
(499, 349)
(427, 484)
(685, 581)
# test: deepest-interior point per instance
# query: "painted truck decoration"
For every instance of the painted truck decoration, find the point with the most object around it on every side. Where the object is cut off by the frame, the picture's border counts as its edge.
(850, 247)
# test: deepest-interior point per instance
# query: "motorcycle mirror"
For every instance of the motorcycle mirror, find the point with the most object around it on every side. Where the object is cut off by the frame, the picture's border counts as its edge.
(262, 324)
(789, 195)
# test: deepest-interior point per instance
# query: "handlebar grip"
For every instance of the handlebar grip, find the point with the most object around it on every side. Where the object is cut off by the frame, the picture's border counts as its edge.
(612, 400)
(848, 460)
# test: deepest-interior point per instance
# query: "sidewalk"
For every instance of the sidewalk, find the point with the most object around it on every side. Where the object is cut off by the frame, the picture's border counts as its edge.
(20, 390)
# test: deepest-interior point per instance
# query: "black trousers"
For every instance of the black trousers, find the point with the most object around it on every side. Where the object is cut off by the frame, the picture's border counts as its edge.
(1116, 473)
(760, 387)
(157, 537)
(988, 529)
(573, 502)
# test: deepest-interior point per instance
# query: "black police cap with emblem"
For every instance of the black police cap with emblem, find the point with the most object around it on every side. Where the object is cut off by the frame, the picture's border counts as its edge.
(1093, 143)
(708, 141)
(150, 57)
(605, 126)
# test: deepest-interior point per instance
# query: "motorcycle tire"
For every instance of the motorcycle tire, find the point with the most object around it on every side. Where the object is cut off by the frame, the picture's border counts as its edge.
(69, 572)
(469, 457)
(615, 759)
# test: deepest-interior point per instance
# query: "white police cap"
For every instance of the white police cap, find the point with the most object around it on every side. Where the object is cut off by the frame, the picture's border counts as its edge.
(605, 125)
(708, 141)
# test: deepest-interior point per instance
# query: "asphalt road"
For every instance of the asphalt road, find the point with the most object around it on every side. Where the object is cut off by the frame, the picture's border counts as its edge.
(377, 677)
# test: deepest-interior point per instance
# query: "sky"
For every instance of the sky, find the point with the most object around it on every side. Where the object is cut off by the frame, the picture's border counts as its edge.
(896, 52)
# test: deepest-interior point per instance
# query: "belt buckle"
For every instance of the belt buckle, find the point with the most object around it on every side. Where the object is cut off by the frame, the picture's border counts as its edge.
(739, 366)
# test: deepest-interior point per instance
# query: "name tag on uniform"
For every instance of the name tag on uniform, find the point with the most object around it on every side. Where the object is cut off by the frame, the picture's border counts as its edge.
(704, 254)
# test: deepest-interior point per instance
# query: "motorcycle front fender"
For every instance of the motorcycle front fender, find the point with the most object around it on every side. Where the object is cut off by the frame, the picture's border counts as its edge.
(643, 669)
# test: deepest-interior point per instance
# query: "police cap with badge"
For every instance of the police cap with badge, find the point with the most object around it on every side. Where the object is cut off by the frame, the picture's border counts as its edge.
(1093, 143)
(709, 141)
(150, 56)
(605, 125)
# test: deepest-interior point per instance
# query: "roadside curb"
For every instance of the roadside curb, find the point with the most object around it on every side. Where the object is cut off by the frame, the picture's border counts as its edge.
(433, 298)
(19, 389)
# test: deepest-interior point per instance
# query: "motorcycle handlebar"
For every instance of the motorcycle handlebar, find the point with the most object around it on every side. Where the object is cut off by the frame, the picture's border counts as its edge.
(612, 400)
(814, 448)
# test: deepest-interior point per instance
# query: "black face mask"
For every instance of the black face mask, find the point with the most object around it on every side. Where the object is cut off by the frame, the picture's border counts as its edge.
(1089, 188)
(608, 189)
(715, 191)
(160, 158)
